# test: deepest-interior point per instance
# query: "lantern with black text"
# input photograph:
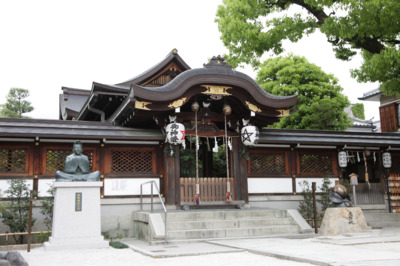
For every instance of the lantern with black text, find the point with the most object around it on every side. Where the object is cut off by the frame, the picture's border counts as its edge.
(342, 156)
(250, 135)
(387, 160)
(175, 133)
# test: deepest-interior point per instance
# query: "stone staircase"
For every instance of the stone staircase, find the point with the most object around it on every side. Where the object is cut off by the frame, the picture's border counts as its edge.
(219, 224)
(378, 216)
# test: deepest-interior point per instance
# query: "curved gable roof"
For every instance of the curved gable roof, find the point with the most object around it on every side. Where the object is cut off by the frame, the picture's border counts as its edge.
(171, 57)
(202, 76)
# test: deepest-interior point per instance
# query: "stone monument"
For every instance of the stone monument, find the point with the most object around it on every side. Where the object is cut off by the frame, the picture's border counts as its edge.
(76, 215)
(342, 218)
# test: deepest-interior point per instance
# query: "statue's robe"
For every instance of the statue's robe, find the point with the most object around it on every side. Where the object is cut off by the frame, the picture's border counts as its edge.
(77, 164)
(77, 169)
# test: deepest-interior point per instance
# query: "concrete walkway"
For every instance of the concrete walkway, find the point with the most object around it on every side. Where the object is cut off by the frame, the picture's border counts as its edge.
(377, 247)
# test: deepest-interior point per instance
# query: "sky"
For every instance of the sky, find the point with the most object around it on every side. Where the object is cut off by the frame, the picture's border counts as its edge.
(46, 45)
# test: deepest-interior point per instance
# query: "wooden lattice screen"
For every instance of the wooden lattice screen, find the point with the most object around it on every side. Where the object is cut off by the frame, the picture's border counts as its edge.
(395, 169)
(55, 159)
(315, 163)
(270, 163)
(132, 162)
(13, 161)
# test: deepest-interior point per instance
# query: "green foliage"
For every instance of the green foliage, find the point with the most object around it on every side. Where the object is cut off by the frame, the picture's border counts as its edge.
(47, 208)
(42, 237)
(306, 208)
(188, 162)
(15, 212)
(219, 162)
(118, 244)
(320, 103)
(358, 110)
(16, 104)
(249, 28)
(324, 197)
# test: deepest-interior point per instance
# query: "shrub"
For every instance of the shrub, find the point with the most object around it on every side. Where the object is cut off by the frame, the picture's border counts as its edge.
(306, 205)
(47, 208)
(15, 212)
(324, 197)
(117, 244)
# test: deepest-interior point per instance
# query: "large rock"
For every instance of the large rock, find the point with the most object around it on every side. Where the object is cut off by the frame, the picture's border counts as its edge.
(339, 221)
(16, 259)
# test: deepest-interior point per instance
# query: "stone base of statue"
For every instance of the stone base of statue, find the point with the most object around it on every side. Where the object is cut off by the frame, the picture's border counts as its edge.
(339, 221)
(76, 217)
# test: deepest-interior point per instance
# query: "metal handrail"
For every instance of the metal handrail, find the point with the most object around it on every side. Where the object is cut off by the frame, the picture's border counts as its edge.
(162, 203)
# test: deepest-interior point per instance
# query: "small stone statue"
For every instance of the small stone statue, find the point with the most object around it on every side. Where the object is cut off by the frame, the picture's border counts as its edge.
(77, 167)
(340, 196)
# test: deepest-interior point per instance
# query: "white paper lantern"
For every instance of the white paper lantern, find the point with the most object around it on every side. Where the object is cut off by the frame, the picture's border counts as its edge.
(342, 156)
(250, 135)
(387, 160)
(175, 133)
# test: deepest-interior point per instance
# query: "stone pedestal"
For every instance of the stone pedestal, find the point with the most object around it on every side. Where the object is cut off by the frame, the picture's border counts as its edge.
(339, 221)
(76, 217)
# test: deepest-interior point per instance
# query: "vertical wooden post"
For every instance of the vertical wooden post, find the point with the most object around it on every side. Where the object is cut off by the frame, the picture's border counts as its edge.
(236, 171)
(30, 221)
(314, 207)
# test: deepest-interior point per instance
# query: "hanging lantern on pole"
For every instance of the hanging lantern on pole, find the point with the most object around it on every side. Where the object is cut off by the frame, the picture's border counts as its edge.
(250, 135)
(176, 133)
(387, 160)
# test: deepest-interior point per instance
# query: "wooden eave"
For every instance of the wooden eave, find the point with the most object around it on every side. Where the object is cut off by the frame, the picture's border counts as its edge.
(328, 138)
(59, 129)
(101, 89)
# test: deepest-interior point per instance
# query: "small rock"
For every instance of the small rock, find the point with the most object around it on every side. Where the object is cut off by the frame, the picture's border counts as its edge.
(3, 254)
(16, 259)
(4, 262)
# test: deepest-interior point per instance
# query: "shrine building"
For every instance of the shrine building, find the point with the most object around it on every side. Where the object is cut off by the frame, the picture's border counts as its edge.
(201, 134)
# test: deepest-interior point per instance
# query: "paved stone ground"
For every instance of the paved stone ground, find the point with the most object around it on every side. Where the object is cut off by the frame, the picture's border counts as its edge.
(377, 247)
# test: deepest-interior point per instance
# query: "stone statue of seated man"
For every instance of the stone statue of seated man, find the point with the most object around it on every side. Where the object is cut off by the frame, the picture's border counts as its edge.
(77, 167)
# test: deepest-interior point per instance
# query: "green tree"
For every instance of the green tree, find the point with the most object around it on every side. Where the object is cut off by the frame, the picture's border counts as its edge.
(15, 211)
(320, 103)
(250, 28)
(306, 208)
(47, 208)
(16, 104)
(324, 197)
(358, 110)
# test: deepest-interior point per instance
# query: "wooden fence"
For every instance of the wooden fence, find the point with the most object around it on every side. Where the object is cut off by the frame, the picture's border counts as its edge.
(375, 195)
(7, 235)
(211, 188)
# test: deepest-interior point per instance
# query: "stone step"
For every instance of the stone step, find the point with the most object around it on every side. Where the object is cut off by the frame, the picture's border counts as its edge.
(382, 217)
(225, 214)
(381, 224)
(374, 208)
(233, 232)
(231, 223)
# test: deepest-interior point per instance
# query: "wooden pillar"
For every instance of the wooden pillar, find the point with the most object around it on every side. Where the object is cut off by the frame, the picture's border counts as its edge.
(172, 176)
(177, 171)
(102, 165)
(36, 160)
(239, 171)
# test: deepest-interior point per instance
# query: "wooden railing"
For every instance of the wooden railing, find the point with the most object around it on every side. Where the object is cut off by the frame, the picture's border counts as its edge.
(211, 188)
(7, 235)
